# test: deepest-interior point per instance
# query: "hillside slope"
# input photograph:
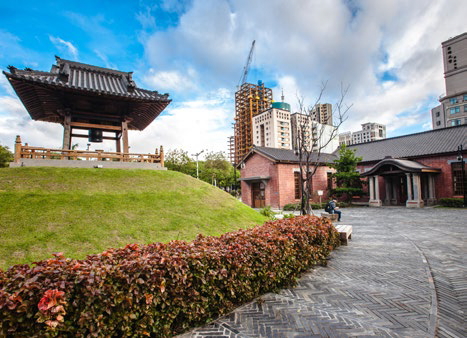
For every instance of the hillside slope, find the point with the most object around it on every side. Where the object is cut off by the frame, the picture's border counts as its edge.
(85, 211)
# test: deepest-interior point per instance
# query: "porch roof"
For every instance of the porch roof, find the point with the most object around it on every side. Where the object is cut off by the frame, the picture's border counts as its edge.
(255, 178)
(405, 166)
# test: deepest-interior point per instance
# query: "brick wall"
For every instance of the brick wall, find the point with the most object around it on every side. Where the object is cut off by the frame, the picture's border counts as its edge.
(443, 181)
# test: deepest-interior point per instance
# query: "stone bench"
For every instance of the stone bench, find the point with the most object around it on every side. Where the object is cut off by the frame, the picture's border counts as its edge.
(345, 233)
(332, 217)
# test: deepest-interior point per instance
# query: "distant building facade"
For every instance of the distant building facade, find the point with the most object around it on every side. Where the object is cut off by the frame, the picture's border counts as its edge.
(322, 113)
(370, 132)
(272, 127)
(316, 136)
(452, 110)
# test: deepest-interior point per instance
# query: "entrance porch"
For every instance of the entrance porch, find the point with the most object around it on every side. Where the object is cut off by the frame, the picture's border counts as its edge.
(401, 182)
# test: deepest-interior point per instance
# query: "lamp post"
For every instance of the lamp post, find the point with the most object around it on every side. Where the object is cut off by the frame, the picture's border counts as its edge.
(197, 169)
(460, 157)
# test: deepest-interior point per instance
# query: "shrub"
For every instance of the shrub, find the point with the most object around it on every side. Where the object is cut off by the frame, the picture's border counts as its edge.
(291, 207)
(267, 211)
(451, 202)
(296, 206)
(159, 289)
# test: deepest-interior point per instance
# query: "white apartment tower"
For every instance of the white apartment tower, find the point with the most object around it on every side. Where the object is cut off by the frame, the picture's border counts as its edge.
(370, 132)
(453, 108)
(272, 128)
(317, 136)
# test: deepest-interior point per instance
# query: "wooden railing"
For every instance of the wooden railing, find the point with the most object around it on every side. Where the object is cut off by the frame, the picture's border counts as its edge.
(26, 151)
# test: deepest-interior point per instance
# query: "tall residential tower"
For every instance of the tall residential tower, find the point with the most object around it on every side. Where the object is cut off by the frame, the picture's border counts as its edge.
(453, 108)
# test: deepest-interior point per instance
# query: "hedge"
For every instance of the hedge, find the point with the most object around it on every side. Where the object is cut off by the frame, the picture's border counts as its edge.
(451, 202)
(159, 289)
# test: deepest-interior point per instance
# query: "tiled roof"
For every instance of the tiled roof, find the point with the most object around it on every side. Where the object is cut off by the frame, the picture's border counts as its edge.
(433, 142)
(286, 155)
(96, 92)
(84, 77)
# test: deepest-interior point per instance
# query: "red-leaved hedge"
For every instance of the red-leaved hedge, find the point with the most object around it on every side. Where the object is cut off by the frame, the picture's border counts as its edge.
(159, 289)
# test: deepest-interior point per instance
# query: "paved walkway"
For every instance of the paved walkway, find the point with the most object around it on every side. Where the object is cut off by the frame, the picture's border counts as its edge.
(403, 274)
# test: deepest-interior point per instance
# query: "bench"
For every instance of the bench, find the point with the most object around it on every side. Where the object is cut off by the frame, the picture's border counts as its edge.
(332, 217)
(345, 233)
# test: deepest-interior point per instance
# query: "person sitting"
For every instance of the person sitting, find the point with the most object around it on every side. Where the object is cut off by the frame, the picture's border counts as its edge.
(333, 209)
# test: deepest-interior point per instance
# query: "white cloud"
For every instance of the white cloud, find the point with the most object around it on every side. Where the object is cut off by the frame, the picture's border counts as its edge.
(203, 123)
(65, 46)
(12, 106)
(171, 80)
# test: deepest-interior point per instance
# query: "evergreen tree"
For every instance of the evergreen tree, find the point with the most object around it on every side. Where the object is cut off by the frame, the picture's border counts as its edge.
(347, 177)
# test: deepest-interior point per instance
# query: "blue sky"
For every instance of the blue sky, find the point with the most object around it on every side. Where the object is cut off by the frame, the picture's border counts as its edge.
(387, 51)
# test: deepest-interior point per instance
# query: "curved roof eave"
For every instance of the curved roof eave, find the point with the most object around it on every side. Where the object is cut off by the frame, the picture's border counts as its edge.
(404, 165)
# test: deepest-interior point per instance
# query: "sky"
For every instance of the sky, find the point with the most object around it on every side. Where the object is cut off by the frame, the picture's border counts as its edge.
(386, 52)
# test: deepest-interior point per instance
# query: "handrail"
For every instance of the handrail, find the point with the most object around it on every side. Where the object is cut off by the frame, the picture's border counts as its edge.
(26, 151)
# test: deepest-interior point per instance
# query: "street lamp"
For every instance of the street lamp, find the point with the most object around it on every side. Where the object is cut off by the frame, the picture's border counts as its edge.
(460, 157)
(197, 169)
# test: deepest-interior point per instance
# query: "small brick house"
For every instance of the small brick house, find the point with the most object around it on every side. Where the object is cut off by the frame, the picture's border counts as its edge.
(414, 170)
(270, 177)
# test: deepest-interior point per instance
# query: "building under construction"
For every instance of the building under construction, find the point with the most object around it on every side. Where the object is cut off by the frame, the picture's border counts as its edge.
(250, 100)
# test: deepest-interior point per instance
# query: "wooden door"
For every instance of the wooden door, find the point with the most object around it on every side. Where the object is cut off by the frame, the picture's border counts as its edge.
(258, 196)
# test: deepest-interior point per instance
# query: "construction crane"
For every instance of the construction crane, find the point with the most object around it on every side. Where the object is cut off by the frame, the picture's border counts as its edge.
(247, 65)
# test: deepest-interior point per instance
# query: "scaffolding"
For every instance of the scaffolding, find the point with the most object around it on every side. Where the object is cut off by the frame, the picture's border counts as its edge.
(250, 100)
(231, 147)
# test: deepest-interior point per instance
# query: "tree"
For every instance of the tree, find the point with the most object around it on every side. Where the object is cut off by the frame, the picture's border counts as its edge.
(179, 160)
(310, 140)
(347, 178)
(6, 156)
(217, 170)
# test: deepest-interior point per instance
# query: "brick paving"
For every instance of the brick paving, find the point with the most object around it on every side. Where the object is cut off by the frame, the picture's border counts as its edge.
(403, 274)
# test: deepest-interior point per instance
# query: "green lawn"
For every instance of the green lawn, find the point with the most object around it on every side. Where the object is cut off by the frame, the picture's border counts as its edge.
(85, 211)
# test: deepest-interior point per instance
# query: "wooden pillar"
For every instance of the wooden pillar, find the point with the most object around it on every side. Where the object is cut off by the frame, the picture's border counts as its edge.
(118, 146)
(126, 148)
(18, 149)
(162, 156)
(67, 131)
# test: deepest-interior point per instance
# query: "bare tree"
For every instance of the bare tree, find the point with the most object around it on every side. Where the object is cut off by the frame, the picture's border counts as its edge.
(311, 138)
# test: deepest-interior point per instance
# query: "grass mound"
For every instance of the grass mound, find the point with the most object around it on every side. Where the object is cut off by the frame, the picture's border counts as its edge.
(85, 211)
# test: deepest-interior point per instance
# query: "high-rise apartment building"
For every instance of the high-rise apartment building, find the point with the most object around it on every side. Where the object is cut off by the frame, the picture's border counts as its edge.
(322, 113)
(250, 101)
(370, 132)
(453, 108)
(272, 128)
(314, 135)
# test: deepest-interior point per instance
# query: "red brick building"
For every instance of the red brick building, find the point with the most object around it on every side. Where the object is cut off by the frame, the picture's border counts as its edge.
(270, 176)
(414, 170)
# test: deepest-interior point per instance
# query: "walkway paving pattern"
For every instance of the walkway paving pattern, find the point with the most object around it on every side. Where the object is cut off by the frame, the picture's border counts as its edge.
(403, 274)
